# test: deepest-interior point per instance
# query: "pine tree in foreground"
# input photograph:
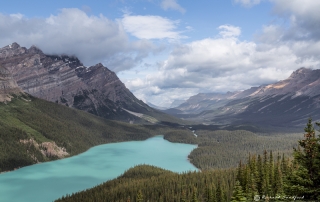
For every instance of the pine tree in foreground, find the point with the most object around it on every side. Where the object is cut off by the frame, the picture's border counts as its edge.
(238, 194)
(305, 177)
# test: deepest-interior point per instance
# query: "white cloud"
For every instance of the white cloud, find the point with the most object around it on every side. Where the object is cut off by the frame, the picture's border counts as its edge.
(224, 63)
(91, 38)
(248, 3)
(229, 31)
(219, 64)
(304, 18)
(302, 34)
(172, 4)
(18, 16)
(151, 27)
(303, 8)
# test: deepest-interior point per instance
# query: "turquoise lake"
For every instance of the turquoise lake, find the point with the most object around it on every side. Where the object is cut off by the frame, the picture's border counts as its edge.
(49, 181)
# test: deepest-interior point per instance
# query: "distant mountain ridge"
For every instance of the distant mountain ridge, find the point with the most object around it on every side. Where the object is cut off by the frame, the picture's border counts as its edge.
(63, 79)
(287, 102)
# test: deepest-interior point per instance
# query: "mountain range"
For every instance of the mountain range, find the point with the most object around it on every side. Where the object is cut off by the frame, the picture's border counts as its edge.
(289, 102)
(65, 80)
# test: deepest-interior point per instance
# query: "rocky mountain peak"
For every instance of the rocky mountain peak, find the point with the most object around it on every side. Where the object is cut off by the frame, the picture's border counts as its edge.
(34, 50)
(14, 45)
(303, 81)
(300, 73)
(64, 79)
(12, 50)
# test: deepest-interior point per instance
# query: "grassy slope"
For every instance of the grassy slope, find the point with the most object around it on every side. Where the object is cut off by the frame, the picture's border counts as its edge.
(43, 121)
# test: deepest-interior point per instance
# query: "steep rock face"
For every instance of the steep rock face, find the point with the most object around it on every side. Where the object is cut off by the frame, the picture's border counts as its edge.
(64, 79)
(8, 86)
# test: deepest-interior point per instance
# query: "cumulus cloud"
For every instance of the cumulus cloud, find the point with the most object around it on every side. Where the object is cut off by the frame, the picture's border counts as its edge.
(72, 31)
(173, 5)
(151, 27)
(229, 31)
(247, 3)
(304, 18)
(224, 63)
(303, 8)
(301, 34)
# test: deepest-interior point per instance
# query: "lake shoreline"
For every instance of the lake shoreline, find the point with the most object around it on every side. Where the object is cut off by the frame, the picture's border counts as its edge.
(95, 166)
(91, 148)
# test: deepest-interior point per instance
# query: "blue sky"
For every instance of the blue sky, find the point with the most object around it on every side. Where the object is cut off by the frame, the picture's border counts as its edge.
(166, 50)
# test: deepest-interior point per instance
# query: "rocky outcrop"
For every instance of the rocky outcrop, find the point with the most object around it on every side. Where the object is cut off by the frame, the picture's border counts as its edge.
(48, 149)
(63, 79)
(8, 86)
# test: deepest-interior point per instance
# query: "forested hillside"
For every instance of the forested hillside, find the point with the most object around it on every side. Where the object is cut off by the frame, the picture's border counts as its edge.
(28, 125)
(149, 183)
(224, 149)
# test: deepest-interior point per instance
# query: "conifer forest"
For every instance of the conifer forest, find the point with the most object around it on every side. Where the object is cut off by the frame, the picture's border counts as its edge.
(265, 176)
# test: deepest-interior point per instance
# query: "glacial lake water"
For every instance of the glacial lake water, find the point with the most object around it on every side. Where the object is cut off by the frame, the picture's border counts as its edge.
(49, 181)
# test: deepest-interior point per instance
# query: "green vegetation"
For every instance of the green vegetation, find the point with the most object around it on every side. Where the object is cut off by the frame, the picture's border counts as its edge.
(149, 183)
(263, 178)
(284, 179)
(26, 118)
(180, 136)
(224, 149)
(304, 179)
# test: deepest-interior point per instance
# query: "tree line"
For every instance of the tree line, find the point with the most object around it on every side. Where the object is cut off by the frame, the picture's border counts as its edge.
(294, 178)
(149, 183)
(224, 149)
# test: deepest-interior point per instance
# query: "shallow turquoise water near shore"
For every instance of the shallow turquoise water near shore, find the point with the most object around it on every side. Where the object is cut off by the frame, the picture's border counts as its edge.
(49, 181)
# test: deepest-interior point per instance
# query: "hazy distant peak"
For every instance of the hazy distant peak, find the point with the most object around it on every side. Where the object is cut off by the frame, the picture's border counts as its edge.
(35, 50)
(300, 73)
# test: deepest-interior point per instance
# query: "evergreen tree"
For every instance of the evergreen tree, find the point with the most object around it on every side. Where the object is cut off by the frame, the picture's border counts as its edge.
(240, 174)
(219, 194)
(212, 196)
(305, 177)
(139, 196)
(266, 176)
(271, 174)
(183, 197)
(260, 176)
(238, 194)
(194, 195)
